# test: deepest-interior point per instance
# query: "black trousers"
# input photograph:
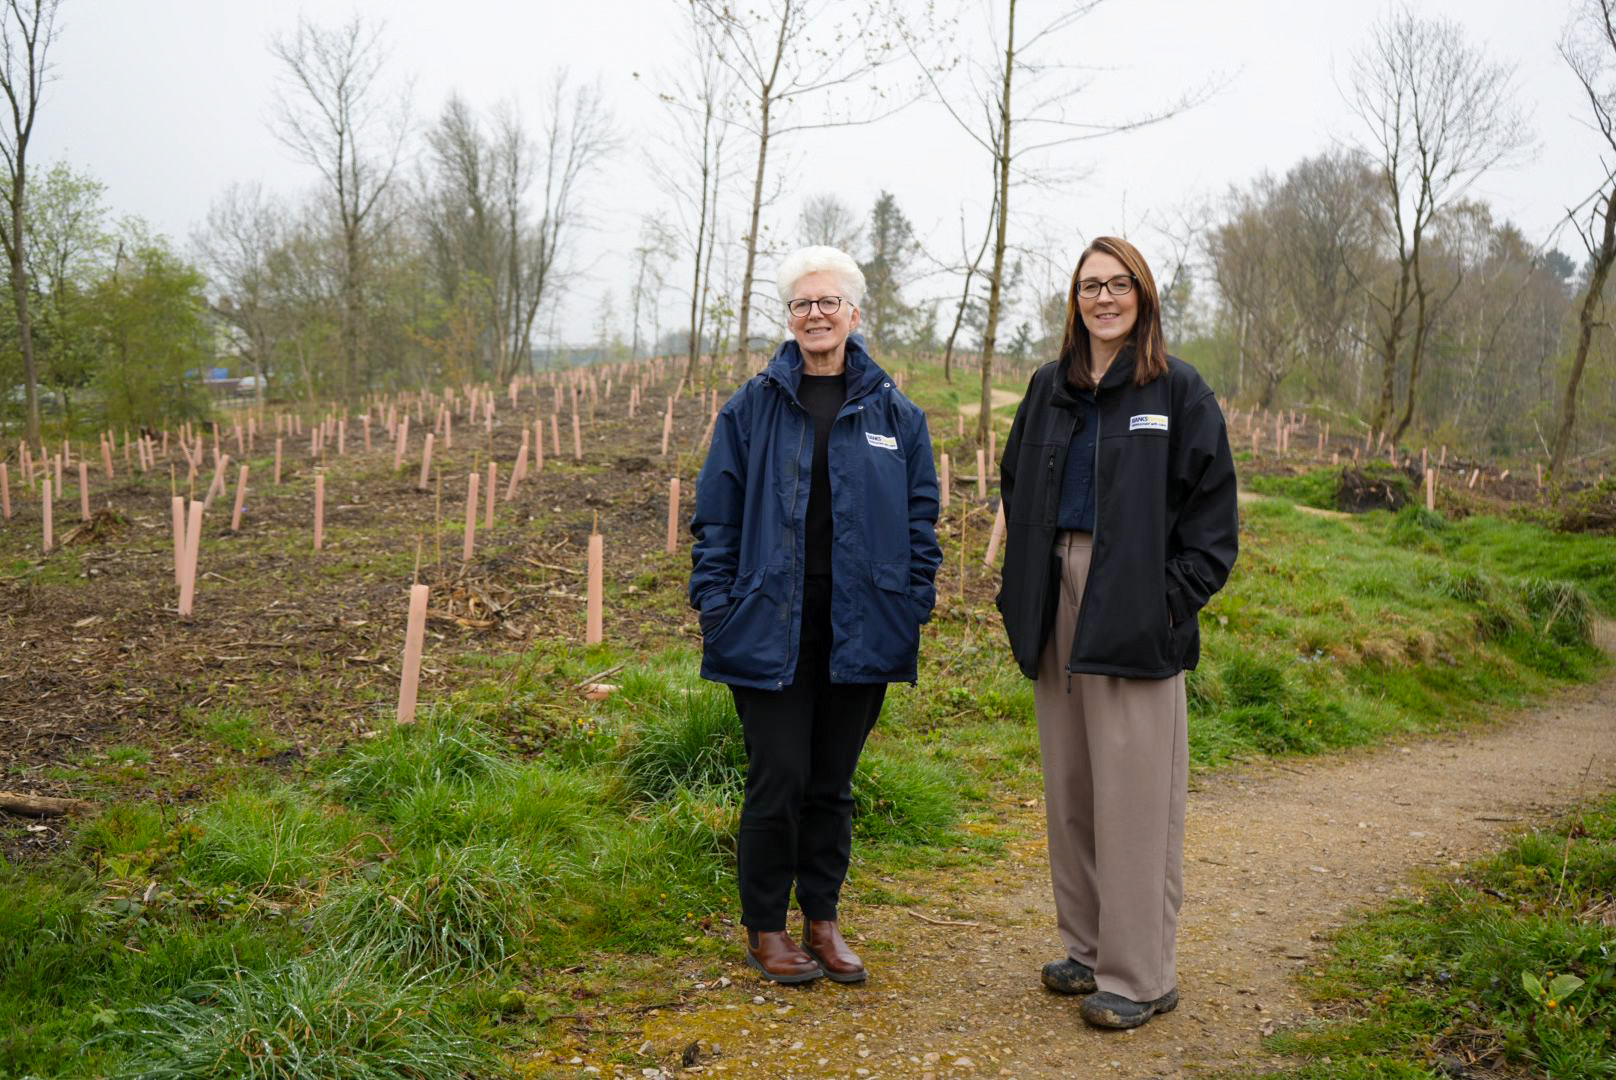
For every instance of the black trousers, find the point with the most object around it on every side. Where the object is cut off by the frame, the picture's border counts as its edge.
(802, 746)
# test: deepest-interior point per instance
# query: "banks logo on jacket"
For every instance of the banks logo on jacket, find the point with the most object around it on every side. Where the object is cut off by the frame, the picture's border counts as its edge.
(1147, 422)
(890, 442)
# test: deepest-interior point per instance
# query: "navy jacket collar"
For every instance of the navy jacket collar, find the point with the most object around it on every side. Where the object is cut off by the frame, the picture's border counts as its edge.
(863, 374)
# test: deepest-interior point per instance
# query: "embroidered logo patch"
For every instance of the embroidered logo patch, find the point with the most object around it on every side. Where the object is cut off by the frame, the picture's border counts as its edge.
(881, 442)
(1147, 422)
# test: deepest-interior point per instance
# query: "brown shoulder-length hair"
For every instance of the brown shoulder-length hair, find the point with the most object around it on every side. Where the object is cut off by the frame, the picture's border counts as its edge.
(1150, 350)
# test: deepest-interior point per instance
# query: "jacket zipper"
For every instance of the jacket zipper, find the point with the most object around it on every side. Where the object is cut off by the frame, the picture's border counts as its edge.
(1094, 542)
(1052, 499)
(796, 486)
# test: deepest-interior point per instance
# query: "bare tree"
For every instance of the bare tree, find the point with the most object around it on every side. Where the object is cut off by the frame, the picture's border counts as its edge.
(651, 255)
(826, 219)
(244, 229)
(577, 136)
(1438, 113)
(335, 113)
(783, 55)
(1248, 258)
(971, 265)
(991, 113)
(1589, 48)
(26, 38)
(698, 100)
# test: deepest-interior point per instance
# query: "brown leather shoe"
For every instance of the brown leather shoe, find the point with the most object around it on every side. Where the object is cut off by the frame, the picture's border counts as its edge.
(780, 959)
(823, 941)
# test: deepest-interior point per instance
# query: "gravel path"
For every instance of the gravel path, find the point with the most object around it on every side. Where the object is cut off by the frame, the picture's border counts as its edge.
(1277, 855)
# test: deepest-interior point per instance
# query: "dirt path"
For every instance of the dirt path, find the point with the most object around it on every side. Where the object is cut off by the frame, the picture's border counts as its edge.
(1001, 398)
(1276, 855)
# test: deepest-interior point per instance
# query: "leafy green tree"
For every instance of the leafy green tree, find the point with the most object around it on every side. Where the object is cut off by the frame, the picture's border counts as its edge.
(155, 338)
(69, 247)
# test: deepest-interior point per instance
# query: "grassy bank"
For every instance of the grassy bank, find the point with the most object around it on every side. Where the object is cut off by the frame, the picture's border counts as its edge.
(1509, 966)
(441, 900)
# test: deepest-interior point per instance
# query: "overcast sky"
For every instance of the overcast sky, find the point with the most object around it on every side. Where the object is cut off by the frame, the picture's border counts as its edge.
(168, 101)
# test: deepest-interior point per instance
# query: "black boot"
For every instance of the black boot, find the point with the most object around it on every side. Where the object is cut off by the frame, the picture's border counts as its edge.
(1107, 1010)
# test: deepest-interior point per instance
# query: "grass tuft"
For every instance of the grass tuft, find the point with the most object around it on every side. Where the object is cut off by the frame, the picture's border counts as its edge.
(901, 798)
(279, 838)
(685, 740)
(449, 906)
(442, 747)
(325, 1015)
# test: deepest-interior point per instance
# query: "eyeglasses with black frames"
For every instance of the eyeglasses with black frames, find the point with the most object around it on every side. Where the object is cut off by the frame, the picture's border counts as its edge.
(1121, 285)
(828, 305)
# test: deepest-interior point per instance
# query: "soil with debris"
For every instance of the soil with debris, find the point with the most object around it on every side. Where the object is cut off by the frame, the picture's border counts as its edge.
(1278, 856)
(95, 656)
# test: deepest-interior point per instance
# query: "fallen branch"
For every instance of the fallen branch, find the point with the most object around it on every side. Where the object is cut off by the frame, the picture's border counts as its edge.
(599, 675)
(551, 566)
(938, 922)
(16, 802)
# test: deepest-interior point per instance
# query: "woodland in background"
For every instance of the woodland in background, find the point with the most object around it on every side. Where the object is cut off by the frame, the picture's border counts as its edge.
(1365, 286)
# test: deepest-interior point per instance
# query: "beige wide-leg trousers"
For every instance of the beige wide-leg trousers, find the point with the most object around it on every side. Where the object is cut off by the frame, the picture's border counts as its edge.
(1116, 774)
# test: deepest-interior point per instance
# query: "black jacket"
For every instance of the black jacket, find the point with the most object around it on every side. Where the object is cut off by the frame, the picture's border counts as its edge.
(1166, 520)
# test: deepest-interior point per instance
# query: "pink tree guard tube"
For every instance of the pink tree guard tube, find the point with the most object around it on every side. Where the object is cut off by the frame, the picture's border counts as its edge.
(673, 515)
(414, 632)
(426, 464)
(241, 496)
(193, 544)
(488, 496)
(84, 490)
(996, 536)
(471, 517)
(179, 540)
(46, 504)
(319, 510)
(596, 601)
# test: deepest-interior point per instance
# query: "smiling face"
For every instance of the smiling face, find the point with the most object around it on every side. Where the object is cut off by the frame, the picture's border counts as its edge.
(823, 338)
(1108, 319)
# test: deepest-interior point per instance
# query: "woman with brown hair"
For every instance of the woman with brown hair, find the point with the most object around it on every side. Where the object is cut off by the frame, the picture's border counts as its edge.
(1119, 496)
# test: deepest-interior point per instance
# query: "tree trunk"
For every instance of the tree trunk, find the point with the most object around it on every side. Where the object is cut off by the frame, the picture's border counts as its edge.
(1586, 322)
(19, 295)
(996, 285)
(767, 97)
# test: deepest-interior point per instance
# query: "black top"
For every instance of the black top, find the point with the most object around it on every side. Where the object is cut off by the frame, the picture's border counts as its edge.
(823, 396)
(1077, 482)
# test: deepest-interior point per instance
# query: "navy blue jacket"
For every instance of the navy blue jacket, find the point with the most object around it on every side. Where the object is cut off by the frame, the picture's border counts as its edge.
(746, 576)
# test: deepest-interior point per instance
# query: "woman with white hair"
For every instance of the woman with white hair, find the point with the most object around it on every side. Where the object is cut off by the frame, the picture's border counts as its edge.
(812, 571)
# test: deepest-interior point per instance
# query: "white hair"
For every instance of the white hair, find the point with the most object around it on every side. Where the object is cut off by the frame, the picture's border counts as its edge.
(812, 260)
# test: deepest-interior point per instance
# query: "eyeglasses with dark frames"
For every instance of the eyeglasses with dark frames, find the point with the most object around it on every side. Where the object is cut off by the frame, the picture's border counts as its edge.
(828, 305)
(1121, 285)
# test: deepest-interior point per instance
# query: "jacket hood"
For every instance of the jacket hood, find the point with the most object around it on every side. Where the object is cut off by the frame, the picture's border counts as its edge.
(863, 373)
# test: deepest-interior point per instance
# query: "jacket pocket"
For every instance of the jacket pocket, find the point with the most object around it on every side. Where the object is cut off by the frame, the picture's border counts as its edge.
(744, 638)
(891, 627)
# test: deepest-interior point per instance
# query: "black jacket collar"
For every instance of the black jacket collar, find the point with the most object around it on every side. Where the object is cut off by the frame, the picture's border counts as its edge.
(1120, 373)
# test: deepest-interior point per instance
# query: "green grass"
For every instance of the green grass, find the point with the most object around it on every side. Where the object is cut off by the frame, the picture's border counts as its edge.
(517, 828)
(1334, 633)
(1511, 964)
(327, 1015)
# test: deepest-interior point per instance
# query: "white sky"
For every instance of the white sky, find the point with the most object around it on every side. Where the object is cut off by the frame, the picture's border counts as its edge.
(168, 101)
